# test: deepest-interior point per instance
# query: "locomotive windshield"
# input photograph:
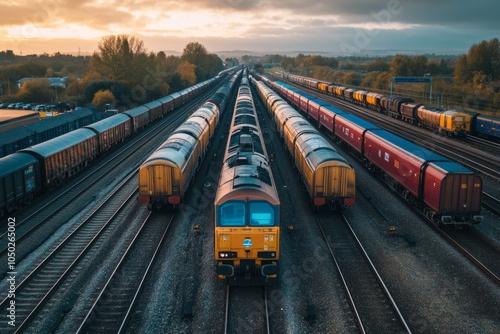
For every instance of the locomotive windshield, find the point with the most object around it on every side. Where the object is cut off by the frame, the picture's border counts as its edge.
(261, 214)
(232, 214)
(254, 213)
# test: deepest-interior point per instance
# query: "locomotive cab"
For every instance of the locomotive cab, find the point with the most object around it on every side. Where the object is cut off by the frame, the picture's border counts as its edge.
(247, 241)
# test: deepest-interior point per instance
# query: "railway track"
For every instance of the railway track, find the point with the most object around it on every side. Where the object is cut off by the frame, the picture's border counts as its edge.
(372, 304)
(68, 200)
(41, 283)
(245, 311)
(110, 311)
(491, 203)
(471, 245)
(479, 251)
(487, 144)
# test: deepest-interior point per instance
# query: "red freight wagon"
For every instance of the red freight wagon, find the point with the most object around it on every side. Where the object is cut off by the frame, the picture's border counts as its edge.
(326, 115)
(140, 117)
(304, 100)
(453, 192)
(112, 130)
(313, 108)
(351, 129)
(155, 109)
(295, 98)
(397, 157)
(64, 156)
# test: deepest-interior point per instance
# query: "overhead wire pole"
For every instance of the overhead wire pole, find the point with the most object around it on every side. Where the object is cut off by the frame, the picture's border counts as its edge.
(424, 79)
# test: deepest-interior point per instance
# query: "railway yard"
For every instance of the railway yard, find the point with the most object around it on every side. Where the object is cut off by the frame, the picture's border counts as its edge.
(90, 258)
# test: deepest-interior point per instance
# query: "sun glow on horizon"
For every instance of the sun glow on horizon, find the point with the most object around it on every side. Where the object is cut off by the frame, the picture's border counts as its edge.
(30, 31)
(192, 24)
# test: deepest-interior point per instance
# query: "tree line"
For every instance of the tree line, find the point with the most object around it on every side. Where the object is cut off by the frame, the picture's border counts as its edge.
(120, 72)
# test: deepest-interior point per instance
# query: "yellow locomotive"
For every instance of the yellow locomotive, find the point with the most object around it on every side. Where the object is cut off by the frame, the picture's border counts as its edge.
(247, 207)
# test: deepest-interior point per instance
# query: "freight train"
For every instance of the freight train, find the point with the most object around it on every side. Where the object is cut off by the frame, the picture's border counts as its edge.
(28, 172)
(164, 177)
(247, 206)
(329, 179)
(443, 190)
(25, 136)
(456, 123)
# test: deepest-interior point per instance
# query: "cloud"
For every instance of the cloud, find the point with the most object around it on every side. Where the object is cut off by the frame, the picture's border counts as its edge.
(258, 24)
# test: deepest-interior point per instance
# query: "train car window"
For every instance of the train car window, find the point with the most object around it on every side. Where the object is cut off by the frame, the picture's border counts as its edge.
(232, 214)
(261, 214)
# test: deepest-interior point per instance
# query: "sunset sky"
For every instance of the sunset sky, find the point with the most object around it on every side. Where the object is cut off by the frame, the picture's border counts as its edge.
(272, 26)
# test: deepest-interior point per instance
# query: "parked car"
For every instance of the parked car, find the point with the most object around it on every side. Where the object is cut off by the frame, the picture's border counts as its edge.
(19, 106)
(4, 105)
(12, 106)
(40, 107)
(51, 107)
(29, 106)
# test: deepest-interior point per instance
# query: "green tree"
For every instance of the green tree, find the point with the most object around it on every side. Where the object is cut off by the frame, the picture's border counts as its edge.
(418, 65)
(7, 55)
(483, 57)
(37, 90)
(103, 97)
(194, 53)
(331, 62)
(115, 87)
(288, 63)
(370, 79)
(382, 81)
(206, 65)
(462, 72)
(187, 73)
(315, 60)
(400, 66)
(117, 57)
(378, 65)
(352, 78)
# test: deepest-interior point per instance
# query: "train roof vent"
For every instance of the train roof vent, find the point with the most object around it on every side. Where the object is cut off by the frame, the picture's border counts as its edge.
(245, 119)
(264, 175)
(246, 143)
(175, 143)
(251, 176)
(245, 181)
(238, 160)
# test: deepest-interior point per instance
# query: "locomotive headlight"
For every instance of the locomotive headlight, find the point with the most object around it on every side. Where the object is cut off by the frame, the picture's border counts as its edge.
(266, 255)
(228, 255)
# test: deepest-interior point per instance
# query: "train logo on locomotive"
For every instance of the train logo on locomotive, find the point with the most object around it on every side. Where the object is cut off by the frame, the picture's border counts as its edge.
(247, 243)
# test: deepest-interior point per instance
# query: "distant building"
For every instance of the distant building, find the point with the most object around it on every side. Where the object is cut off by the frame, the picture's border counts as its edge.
(54, 82)
(231, 63)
